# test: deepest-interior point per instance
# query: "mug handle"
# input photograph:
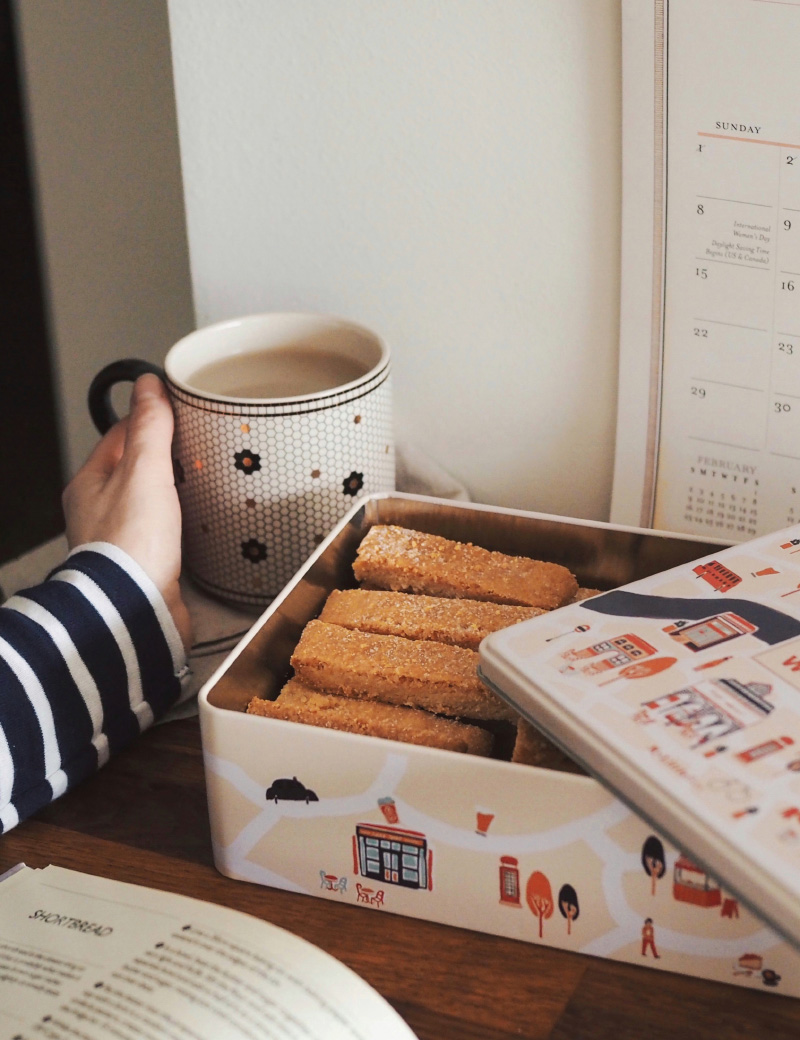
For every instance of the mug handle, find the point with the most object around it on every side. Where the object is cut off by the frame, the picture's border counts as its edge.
(126, 371)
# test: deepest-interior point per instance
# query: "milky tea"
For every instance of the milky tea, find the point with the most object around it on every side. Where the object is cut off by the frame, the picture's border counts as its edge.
(295, 370)
(282, 420)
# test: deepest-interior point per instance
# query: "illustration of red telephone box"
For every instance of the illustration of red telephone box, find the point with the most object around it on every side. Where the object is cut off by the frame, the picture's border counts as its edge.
(610, 653)
(509, 881)
(717, 575)
(691, 884)
(710, 631)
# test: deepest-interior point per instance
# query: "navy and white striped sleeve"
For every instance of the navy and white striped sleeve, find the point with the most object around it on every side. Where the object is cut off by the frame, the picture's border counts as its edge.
(88, 659)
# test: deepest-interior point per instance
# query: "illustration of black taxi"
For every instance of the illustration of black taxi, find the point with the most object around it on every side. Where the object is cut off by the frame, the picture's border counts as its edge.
(290, 790)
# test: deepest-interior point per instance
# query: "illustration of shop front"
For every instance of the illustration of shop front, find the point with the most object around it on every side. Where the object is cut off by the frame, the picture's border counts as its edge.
(710, 631)
(394, 856)
(610, 653)
(711, 709)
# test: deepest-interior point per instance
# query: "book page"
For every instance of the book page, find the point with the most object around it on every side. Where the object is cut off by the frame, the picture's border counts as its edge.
(709, 417)
(83, 956)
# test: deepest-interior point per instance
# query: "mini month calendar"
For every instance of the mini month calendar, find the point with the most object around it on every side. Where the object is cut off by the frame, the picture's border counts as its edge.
(708, 438)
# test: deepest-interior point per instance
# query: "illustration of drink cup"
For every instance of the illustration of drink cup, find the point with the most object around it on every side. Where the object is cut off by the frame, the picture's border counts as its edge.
(483, 819)
(388, 809)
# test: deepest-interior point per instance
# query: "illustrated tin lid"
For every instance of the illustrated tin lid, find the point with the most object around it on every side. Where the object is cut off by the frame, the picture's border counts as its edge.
(681, 693)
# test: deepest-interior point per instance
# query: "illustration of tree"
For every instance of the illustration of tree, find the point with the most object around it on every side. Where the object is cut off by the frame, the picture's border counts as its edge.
(568, 905)
(539, 896)
(653, 860)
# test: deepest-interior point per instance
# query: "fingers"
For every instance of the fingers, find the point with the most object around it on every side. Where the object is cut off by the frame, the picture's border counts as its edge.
(148, 437)
(106, 453)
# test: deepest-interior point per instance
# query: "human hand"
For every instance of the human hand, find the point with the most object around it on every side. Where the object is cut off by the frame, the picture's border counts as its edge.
(125, 494)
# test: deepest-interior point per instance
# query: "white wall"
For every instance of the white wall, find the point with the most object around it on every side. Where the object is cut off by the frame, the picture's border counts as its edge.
(104, 143)
(447, 171)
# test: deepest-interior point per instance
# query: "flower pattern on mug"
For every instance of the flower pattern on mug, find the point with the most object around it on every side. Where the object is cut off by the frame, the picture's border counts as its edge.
(247, 461)
(254, 551)
(353, 484)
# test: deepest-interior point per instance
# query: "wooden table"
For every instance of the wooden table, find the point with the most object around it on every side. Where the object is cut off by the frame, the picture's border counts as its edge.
(143, 819)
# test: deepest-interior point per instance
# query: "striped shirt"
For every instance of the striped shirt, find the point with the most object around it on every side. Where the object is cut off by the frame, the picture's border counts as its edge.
(88, 659)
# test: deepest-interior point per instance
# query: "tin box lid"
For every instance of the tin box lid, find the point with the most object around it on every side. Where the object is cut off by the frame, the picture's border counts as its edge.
(681, 693)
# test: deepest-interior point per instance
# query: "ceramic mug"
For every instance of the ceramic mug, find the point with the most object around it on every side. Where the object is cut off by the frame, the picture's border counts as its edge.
(281, 422)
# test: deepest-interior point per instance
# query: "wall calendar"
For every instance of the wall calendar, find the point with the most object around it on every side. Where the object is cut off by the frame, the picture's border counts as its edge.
(708, 438)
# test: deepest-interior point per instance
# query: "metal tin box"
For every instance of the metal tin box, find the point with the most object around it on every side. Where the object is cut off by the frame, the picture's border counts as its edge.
(527, 853)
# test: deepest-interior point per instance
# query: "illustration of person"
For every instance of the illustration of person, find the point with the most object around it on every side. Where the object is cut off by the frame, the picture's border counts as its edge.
(649, 938)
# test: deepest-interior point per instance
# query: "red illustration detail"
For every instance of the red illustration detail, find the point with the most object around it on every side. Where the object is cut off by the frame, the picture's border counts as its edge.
(712, 664)
(369, 895)
(649, 938)
(643, 669)
(753, 754)
(749, 964)
(483, 819)
(610, 653)
(699, 635)
(717, 575)
(389, 809)
(730, 908)
(539, 897)
(509, 881)
(692, 885)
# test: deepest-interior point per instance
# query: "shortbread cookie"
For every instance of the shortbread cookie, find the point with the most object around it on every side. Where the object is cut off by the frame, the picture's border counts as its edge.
(402, 560)
(458, 622)
(299, 703)
(583, 594)
(532, 748)
(419, 674)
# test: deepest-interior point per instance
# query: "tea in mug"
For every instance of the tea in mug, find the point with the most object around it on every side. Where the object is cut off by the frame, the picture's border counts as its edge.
(295, 370)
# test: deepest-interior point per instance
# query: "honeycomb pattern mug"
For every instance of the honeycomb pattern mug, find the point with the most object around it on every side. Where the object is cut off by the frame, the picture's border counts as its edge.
(281, 422)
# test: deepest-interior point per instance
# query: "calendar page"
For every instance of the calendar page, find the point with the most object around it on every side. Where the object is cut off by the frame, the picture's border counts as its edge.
(709, 419)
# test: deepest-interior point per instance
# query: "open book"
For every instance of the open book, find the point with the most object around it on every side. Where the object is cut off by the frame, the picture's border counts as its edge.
(89, 957)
